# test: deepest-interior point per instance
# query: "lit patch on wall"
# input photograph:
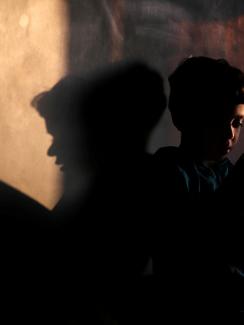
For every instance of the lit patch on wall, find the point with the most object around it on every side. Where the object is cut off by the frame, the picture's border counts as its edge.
(33, 41)
(24, 21)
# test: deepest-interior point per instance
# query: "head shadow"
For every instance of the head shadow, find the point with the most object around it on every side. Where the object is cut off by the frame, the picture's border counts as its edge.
(102, 118)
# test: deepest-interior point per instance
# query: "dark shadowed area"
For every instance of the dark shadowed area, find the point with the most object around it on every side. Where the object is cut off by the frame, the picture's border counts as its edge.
(160, 32)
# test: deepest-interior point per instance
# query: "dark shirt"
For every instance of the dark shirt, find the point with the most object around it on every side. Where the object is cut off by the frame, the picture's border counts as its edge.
(192, 250)
(182, 174)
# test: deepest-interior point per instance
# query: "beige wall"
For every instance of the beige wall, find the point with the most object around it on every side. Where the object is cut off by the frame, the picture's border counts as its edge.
(41, 39)
(33, 37)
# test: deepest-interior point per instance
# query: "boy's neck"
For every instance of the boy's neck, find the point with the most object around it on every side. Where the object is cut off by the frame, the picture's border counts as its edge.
(192, 150)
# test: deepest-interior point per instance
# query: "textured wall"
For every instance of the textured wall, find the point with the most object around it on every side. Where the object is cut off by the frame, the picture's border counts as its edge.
(33, 42)
(164, 32)
(160, 32)
(41, 40)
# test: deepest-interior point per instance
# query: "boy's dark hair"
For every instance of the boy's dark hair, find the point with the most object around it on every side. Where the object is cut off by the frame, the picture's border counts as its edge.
(202, 90)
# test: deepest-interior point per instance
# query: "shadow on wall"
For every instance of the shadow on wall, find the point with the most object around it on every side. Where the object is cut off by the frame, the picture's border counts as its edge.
(159, 32)
(100, 120)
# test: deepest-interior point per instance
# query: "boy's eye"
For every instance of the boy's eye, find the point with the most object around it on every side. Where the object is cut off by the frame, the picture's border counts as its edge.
(236, 123)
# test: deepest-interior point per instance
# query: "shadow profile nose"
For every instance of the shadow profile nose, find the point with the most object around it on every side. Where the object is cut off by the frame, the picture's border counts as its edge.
(51, 151)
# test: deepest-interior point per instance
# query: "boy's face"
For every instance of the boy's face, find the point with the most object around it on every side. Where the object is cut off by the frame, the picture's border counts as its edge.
(221, 135)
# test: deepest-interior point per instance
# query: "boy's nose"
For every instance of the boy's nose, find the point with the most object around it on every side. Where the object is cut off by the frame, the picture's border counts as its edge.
(230, 132)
